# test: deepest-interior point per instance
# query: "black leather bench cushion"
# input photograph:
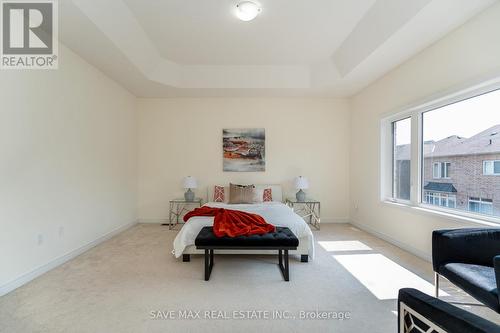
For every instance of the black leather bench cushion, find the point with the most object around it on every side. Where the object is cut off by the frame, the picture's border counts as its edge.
(477, 280)
(282, 237)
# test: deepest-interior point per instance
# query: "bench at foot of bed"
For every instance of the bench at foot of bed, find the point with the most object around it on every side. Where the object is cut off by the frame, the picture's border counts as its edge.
(282, 240)
(187, 258)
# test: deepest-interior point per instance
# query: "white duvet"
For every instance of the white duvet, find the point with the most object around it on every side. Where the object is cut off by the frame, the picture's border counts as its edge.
(275, 213)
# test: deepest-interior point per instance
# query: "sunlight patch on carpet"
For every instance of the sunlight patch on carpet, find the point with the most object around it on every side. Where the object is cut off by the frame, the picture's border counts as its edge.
(344, 246)
(382, 276)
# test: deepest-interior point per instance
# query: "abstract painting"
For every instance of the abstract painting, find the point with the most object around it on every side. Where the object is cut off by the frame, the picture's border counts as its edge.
(244, 149)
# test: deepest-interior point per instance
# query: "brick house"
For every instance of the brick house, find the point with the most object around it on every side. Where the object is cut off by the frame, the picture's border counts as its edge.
(461, 173)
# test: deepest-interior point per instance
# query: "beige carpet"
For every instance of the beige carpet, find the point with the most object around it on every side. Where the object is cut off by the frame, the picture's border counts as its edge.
(116, 286)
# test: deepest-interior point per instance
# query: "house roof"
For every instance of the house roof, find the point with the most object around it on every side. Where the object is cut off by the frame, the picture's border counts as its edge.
(440, 187)
(485, 142)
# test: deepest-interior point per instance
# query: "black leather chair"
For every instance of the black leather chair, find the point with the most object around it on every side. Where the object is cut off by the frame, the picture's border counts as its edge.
(418, 312)
(470, 259)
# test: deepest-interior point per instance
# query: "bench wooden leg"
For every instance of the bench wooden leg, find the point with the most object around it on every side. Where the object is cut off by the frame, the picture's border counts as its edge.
(284, 269)
(209, 263)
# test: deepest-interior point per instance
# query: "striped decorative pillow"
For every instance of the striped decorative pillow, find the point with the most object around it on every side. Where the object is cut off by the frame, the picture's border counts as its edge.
(240, 194)
(219, 194)
(268, 195)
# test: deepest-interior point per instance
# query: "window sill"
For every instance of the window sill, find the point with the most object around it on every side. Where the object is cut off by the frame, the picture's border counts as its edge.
(450, 215)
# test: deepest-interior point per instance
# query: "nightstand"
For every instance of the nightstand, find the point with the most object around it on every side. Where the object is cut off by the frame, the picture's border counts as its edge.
(309, 209)
(178, 207)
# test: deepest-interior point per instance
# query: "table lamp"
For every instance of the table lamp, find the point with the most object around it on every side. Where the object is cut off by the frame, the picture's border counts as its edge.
(189, 183)
(301, 183)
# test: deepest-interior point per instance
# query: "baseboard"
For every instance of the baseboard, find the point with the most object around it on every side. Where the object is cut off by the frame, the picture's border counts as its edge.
(335, 220)
(27, 277)
(393, 241)
(152, 221)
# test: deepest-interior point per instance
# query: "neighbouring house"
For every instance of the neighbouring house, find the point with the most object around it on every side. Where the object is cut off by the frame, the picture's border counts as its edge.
(460, 173)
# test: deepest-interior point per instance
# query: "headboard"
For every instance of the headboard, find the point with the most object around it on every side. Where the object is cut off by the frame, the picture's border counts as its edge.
(277, 191)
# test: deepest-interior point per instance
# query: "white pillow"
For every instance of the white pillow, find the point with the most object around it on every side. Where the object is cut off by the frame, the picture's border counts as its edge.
(258, 195)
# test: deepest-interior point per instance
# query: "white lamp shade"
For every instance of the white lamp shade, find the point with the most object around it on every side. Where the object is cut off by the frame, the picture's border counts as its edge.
(301, 183)
(190, 182)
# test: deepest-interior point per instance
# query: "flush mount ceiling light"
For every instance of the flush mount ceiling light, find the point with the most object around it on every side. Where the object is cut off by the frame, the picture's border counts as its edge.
(247, 10)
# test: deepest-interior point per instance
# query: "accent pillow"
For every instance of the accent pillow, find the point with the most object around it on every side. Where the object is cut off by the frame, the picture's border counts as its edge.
(258, 195)
(240, 194)
(268, 195)
(219, 194)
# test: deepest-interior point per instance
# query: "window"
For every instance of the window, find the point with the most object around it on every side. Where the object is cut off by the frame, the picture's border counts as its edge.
(441, 199)
(481, 206)
(401, 137)
(471, 135)
(491, 168)
(455, 157)
(445, 167)
(441, 170)
(436, 170)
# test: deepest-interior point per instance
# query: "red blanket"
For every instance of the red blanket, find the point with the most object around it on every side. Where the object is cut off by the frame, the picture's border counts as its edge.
(233, 223)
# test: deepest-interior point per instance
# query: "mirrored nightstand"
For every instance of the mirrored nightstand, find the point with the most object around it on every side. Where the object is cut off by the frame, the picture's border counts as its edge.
(309, 210)
(178, 207)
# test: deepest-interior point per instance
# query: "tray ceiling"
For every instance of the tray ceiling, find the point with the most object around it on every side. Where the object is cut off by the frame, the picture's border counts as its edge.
(330, 48)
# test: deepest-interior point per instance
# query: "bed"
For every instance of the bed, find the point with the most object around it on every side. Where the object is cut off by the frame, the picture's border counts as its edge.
(275, 212)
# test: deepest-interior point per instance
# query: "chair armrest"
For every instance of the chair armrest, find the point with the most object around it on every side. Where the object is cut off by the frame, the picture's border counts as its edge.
(472, 246)
(496, 265)
(439, 313)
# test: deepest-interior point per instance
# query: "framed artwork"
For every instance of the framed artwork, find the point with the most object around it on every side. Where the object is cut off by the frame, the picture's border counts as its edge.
(244, 149)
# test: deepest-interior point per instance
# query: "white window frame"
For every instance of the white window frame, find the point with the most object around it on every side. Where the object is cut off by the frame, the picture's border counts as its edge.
(446, 170)
(481, 202)
(443, 172)
(485, 173)
(448, 197)
(415, 112)
(436, 175)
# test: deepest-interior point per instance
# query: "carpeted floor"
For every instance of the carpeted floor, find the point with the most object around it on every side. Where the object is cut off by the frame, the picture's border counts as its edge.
(120, 285)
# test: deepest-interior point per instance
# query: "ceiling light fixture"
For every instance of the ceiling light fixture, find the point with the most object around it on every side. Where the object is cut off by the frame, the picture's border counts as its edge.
(247, 10)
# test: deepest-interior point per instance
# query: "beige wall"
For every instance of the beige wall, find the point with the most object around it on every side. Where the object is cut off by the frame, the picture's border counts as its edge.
(469, 53)
(67, 163)
(180, 137)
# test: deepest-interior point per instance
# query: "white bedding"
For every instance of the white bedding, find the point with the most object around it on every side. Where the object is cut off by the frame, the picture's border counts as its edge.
(275, 213)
